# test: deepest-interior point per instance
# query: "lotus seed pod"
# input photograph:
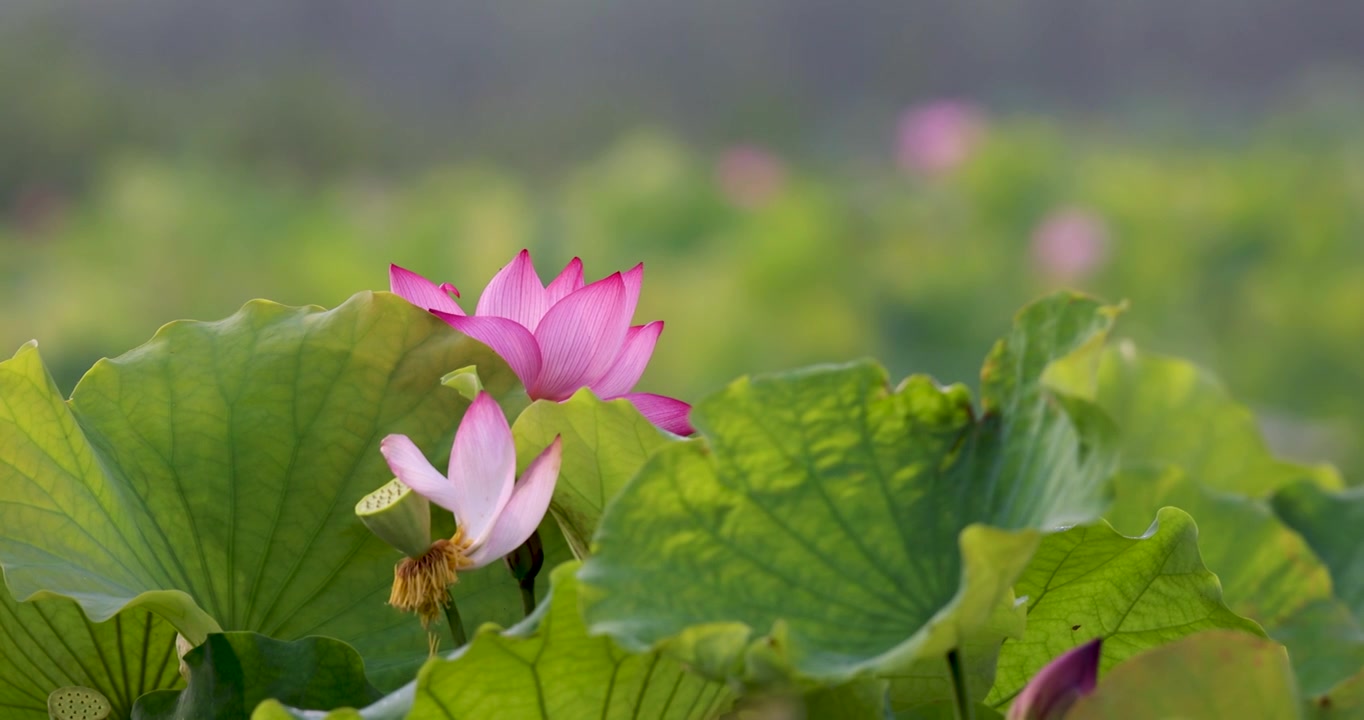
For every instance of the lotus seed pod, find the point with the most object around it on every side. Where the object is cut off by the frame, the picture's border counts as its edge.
(182, 646)
(399, 517)
(77, 703)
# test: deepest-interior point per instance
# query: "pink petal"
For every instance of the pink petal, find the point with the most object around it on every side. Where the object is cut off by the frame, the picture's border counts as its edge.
(569, 280)
(422, 292)
(634, 281)
(668, 413)
(482, 467)
(515, 293)
(410, 466)
(507, 338)
(630, 363)
(525, 510)
(580, 337)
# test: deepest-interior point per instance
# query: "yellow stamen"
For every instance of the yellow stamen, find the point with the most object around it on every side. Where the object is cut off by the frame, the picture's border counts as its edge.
(420, 584)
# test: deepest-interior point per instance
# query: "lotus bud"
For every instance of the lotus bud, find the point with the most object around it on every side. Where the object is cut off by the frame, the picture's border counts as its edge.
(399, 517)
(1057, 686)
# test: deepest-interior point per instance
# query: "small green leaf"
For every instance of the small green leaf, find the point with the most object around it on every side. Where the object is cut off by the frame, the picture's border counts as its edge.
(1135, 593)
(831, 524)
(232, 673)
(604, 445)
(48, 644)
(1215, 674)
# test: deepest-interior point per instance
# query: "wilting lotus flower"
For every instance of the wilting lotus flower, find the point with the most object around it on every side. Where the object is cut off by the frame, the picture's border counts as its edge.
(494, 513)
(936, 137)
(1058, 685)
(1070, 244)
(561, 337)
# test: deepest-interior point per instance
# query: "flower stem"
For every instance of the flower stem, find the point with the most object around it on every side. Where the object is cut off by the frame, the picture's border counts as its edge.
(963, 707)
(456, 624)
(528, 597)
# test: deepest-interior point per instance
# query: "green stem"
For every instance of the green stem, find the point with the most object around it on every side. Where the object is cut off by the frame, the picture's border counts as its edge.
(456, 624)
(965, 710)
(528, 596)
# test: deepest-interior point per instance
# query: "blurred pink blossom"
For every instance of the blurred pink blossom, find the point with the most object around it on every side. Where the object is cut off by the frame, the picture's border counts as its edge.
(749, 176)
(1070, 244)
(937, 137)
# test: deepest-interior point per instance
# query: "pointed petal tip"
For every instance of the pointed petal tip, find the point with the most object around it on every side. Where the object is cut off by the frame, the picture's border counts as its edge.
(447, 287)
(526, 509)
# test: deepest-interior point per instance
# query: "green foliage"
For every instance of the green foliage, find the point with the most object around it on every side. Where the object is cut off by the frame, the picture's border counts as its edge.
(604, 445)
(1135, 593)
(48, 644)
(825, 520)
(210, 475)
(1333, 525)
(546, 667)
(231, 673)
(1216, 674)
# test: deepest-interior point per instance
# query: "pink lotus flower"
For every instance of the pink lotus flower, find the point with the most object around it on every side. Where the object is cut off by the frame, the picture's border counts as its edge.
(1057, 686)
(937, 137)
(1070, 244)
(561, 337)
(494, 513)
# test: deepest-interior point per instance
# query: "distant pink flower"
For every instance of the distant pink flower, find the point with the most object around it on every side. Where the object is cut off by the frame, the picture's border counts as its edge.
(937, 137)
(1057, 686)
(561, 337)
(494, 513)
(748, 176)
(1070, 244)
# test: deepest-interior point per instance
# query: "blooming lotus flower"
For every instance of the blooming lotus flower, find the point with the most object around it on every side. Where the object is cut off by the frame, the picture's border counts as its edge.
(494, 513)
(1058, 685)
(559, 337)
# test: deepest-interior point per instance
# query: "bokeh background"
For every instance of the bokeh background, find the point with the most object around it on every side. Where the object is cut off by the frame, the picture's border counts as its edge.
(806, 181)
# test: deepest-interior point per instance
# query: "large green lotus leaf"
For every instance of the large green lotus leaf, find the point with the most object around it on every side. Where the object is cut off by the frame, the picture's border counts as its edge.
(604, 445)
(231, 673)
(48, 644)
(1135, 593)
(829, 524)
(1214, 674)
(1171, 412)
(1333, 525)
(1266, 570)
(211, 474)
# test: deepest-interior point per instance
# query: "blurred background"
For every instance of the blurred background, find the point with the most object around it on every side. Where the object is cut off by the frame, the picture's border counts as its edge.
(805, 181)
